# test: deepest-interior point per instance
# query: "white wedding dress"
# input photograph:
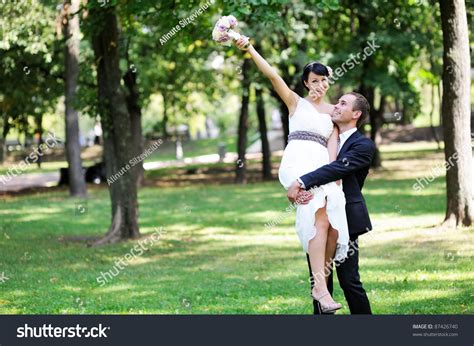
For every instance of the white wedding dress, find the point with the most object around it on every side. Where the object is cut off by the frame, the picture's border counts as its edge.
(306, 152)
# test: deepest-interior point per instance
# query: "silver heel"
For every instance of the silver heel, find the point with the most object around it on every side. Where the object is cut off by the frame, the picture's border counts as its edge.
(327, 308)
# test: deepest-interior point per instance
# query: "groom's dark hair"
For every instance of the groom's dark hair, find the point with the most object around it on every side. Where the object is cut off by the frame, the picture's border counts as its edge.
(360, 104)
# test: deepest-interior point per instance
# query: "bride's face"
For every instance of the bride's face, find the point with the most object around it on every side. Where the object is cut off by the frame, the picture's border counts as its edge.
(317, 83)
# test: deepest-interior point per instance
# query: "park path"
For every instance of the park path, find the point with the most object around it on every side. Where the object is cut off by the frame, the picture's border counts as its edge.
(29, 180)
(406, 133)
(32, 180)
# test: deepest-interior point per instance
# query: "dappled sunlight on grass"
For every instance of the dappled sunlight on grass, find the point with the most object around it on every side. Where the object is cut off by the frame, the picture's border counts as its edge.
(116, 288)
(216, 256)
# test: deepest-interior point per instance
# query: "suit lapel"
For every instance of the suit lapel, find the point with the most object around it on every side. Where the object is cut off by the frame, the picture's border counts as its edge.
(350, 140)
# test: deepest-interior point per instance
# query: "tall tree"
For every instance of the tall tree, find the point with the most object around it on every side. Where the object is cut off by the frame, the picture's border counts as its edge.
(30, 56)
(132, 97)
(241, 167)
(375, 49)
(3, 135)
(116, 125)
(77, 183)
(262, 126)
(456, 113)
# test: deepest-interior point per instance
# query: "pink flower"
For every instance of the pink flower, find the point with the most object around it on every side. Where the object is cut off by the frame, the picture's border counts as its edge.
(223, 39)
(223, 32)
(222, 27)
(232, 21)
(329, 70)
(224, 21)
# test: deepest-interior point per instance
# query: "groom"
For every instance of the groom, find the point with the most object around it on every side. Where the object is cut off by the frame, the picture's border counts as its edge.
(355, 154)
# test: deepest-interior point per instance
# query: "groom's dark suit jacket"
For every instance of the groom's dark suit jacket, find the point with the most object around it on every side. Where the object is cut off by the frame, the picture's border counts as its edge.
(352, 166)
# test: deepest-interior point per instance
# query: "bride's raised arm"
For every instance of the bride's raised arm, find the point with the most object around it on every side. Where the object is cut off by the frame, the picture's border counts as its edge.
(287, 95)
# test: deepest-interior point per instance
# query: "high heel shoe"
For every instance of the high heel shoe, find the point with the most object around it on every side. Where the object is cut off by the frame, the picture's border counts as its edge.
(329, 308)
(320, 311)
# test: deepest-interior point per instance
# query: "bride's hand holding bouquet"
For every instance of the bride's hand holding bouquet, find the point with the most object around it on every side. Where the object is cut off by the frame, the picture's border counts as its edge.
(224, 32)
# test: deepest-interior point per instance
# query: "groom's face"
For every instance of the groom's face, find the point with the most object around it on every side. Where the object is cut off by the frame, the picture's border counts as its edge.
(343, 111)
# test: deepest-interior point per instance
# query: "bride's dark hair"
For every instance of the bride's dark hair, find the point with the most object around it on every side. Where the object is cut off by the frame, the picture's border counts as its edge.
(316, 68)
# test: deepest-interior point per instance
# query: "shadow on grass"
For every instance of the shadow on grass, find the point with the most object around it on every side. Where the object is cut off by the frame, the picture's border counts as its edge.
(215, 254)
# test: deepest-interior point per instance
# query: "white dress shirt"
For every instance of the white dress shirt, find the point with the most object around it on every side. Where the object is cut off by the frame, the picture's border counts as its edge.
(343, 137)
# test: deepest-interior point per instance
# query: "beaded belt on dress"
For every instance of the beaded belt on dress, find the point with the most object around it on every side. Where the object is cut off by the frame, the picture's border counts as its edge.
(308, 136)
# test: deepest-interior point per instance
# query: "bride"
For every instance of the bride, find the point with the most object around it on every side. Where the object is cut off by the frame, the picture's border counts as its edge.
(321, 224)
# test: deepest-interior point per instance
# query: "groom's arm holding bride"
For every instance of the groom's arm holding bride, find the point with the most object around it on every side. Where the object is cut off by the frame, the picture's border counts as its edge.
(357, 157)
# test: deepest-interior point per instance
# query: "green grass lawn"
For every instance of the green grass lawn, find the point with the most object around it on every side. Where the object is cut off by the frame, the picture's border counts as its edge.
(215, 255)
(192, 148)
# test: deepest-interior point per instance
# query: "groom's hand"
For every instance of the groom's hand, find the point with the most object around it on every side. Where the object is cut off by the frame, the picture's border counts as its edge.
(303, 197)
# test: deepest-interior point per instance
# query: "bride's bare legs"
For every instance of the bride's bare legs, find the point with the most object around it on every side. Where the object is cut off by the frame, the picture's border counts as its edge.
(331, 245)
(317, 256)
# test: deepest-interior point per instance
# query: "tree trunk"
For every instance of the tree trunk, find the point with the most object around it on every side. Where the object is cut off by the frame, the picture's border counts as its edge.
(297, 87)
(376, 120)
(39, 134)
(77, 182)
(285, 121)
(2, 149)
(456, 105)
(376, 135)
(4, 129)
(368, 91)
(262, 126)
(116, 125)
(164, 124)
(284, 116)
(130, 79)
(241, 169)
(440, 98)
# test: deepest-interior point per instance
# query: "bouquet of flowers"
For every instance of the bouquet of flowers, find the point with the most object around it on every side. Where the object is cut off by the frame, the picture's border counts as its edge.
(223, 32)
